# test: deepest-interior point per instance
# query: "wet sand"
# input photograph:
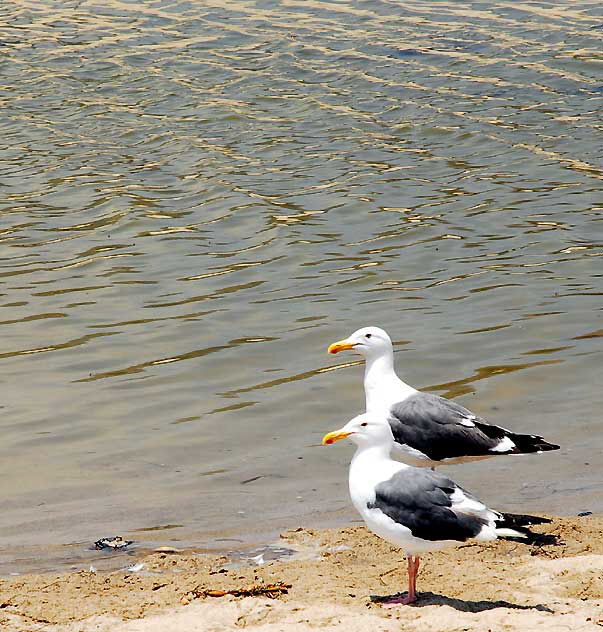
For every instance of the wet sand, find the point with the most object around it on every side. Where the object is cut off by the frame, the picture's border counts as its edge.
(328, 584)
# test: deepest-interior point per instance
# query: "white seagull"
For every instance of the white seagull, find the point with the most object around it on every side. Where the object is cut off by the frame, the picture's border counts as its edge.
(415, 509)
(428, 430)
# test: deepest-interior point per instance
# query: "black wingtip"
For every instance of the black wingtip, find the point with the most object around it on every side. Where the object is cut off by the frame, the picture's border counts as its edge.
(545, 446)
(521, 522)
(529, 444)
(512, 520)
(535, 539)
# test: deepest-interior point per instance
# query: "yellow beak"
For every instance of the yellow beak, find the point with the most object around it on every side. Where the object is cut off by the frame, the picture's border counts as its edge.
(330, 438)
(340, 345)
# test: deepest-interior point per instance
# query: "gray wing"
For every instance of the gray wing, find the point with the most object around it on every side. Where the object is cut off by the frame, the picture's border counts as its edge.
(421, 500)
(442, 429)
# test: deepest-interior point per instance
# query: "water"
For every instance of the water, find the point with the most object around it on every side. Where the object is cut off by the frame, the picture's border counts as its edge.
(198, 197)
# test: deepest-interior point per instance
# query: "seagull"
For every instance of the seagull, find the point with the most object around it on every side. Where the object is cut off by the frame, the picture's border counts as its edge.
(428, 430)
(413, 508)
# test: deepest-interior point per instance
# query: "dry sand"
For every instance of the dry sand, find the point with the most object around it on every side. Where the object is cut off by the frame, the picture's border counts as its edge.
(494, 587)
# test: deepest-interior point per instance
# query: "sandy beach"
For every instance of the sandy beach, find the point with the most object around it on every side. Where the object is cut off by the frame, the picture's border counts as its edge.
(332, 580)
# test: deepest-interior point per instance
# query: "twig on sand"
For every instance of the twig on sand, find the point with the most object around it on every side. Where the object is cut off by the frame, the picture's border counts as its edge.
(391, 570)
(268, 590)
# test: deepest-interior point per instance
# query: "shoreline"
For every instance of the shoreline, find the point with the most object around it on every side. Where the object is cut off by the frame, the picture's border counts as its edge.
(46, 559)
(325, 578)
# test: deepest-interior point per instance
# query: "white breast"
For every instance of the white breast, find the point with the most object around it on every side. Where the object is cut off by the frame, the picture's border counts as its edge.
(366, 472)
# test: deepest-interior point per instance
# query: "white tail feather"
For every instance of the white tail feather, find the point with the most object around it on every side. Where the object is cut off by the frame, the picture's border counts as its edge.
(510, 533)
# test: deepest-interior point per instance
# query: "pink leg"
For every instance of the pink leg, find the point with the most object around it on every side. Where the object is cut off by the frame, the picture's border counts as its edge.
(411, 596)
(412, 589)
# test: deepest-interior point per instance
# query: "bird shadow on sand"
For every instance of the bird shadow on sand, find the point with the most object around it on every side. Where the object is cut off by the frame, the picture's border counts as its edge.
(432, 599)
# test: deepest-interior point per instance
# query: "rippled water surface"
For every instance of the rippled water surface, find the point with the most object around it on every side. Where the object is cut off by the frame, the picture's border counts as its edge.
(198, 197)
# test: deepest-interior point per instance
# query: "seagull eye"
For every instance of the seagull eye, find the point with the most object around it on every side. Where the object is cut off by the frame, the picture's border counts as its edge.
(367, 335)
(365, 423)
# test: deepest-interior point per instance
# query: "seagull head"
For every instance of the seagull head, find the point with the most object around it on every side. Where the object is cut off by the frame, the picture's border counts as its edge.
(369, 342)
(363, 430)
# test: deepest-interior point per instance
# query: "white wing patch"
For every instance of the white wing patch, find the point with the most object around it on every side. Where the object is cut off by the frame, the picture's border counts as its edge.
(468, 421)
(462, 504)
(504, 446)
